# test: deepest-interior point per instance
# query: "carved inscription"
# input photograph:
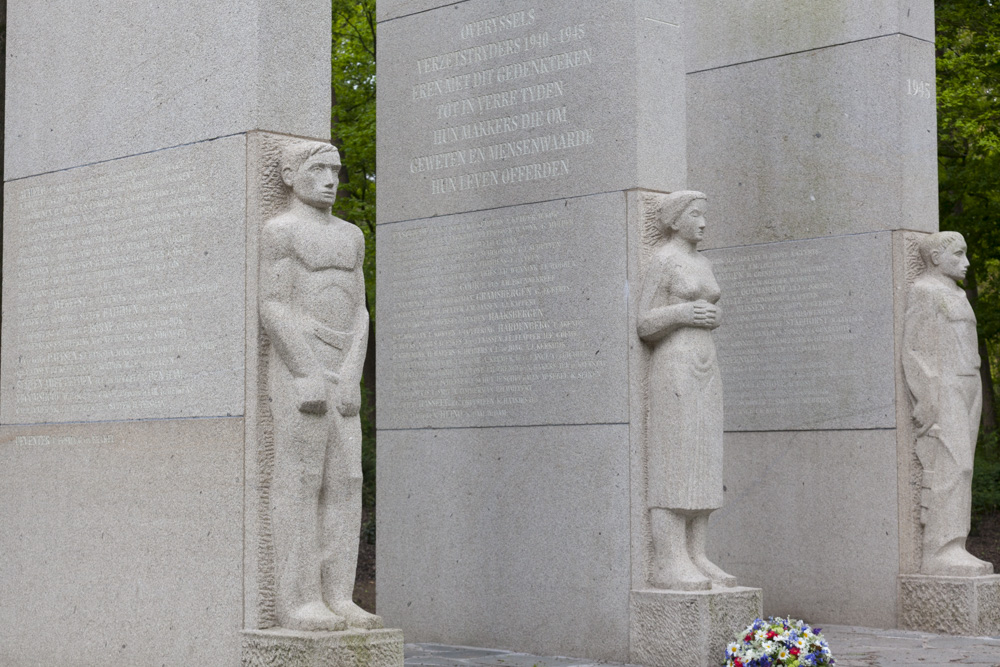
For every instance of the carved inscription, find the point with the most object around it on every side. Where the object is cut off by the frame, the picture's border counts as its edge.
(491, 321)
(110, 271)
(807, 341)
(497, 104)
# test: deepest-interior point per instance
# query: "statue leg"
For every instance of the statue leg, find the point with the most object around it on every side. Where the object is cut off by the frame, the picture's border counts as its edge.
(341, 520)
(299, 443)
(946, 507)
(672, 567)
(696, 539)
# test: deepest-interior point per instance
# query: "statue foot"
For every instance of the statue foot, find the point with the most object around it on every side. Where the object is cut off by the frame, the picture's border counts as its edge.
(955, 561)
(720, 578)
(357, 617)
(679, 577)
(312, 617)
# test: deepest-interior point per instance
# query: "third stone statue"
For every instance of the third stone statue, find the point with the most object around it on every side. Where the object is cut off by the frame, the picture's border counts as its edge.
(312, 306)
(676, 315)
(941, 369)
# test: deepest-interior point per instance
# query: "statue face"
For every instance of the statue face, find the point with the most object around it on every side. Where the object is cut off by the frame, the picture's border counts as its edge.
(690, 225)
(952, 261)
(315, 182)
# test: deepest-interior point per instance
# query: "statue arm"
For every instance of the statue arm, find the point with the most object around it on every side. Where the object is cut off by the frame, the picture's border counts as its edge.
(349, 379)
(279, 319)
(920, 359)
(655, 323)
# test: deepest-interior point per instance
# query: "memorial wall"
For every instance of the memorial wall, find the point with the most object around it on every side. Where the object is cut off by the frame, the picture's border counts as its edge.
(129, 288)
(516, 143)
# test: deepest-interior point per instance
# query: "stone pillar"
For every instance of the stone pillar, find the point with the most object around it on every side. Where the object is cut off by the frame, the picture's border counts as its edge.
(139, 142)
(515, 142)
(814, 128)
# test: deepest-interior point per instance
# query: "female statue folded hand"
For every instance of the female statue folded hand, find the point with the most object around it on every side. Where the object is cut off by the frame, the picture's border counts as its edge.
(677, 313)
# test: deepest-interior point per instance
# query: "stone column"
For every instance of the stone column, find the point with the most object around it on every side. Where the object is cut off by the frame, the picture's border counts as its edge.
(515, 142)
(814, 129)
(137, 139)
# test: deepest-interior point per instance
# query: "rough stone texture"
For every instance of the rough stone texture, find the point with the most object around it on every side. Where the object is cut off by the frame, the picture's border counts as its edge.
(507, 537)
(494, 318)
(512, 117)
(727, 32)
(123, 289)
(811, 518)
(950, 605)
(940, 359)
(688, 629)
(286, 648)
(807, 335)
(93, 81)
(852, 151)
(122, 543)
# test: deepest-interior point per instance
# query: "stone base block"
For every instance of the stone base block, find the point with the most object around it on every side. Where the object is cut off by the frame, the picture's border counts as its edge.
(688, 628)
(352, 648)
(950, 605)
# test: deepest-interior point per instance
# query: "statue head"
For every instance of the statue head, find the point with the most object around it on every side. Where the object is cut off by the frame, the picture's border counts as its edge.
(944, 253)
(674, 206)
(309, 169)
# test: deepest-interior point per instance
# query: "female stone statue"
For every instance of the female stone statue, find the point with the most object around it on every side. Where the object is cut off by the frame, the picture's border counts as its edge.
(677, 313)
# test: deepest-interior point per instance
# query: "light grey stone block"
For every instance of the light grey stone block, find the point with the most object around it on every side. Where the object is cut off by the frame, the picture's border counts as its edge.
(507, 537)
(811, 518)
(850, 149)
(490, 104)
(122, 543)
(727, 32)
(807, 336)
(93, 81)
(498, 318)
(124, 288)
(688, 629)
(356, 648)
(950, 605)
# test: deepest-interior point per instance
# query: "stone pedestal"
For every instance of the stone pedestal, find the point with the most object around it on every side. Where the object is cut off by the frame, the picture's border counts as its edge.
(688, 628)
(354, 648)
(950, 605)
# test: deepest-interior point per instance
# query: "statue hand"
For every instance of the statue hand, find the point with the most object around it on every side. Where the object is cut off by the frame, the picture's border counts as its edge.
(704, 314)
(311, 391)
(349, 398)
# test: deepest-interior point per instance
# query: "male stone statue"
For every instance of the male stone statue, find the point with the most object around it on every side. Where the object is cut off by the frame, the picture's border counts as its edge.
(312, 305)
(941, 368)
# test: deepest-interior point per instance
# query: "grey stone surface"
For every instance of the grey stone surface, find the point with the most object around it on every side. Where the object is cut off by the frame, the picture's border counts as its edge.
(507, 537)
(354, 648)
(688, 629)
(851, 150)
(811, 518)
(124, 288)
(941, 365)
(122, 543)
(965, 605)
(312, 308)
(851, 646)
(677, 312)
(727, 32)
(807, 341)
(478, 114)
(92, 81)
(495, 318)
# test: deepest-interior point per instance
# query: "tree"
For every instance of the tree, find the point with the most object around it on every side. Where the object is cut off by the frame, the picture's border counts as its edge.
(352, 128)
(968, 81)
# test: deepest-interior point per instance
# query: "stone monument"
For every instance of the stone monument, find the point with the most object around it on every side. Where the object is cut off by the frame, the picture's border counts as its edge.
(517, 144)
(143, 151)
(953, 591)
(683, 446)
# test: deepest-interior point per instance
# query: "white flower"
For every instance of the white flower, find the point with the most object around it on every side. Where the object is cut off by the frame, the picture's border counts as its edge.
(767, 646)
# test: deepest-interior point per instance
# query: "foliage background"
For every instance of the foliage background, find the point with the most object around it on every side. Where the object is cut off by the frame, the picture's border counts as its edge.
(968, 81)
